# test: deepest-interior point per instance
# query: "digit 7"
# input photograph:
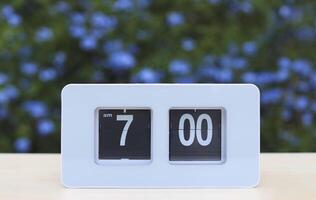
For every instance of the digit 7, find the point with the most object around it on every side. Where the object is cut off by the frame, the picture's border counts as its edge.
(128, 119)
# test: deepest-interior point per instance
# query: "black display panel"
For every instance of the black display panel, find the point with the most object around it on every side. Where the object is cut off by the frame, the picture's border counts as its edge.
(124, 134)
(195, 135)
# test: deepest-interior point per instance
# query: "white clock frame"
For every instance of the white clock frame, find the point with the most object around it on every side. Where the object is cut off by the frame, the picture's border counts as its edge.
(241, 104)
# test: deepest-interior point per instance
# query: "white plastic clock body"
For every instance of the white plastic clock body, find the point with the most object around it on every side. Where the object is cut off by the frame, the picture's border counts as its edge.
(160, 135)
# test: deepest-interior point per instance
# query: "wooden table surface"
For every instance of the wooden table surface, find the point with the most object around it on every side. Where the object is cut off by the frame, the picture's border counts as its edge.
(37, 176)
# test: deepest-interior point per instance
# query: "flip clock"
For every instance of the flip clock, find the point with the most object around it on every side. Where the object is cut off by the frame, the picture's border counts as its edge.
(160, 135)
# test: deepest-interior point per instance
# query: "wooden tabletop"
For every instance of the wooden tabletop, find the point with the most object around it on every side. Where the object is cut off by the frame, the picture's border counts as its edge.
(37, 176)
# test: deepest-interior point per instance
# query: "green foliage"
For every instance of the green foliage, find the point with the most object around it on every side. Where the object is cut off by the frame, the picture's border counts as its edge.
(47, 44)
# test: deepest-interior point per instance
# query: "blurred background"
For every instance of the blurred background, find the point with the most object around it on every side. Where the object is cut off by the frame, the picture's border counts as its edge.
(46, 44)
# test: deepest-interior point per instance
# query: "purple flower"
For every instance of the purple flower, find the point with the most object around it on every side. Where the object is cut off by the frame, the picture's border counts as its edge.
(226, 61)
(98, 33)
(301, 103)
(44, 34)
(121, 60)
(3, 98)
(7, 10)
(290, 13)
(47, 74)
(246, 7)
(179, 67)
(286, 114)
(282, 75)
(8, 93)
(307, 119)
(175, 18)
(77, 18)
(249, 77)
(250, 48)
(214, 2)
(224, 75)
(271, 96)
(45, 127)
(113, 45)
(147, 75)
(35, 108)
(207, 72)
(144, 3)
(62, 6)
(29, 68)
(264, 78)
(14, 20)
(306, 33)
(188, 44)
(11, 91)
(285, 11)
(77, 31)
(3, 111)
(11, 17)
(123, 5)
(284, 63)
(60, 58)
(240, 63)
(103, 21)
(88, 43)
(231, 62)
(302, 67)
(22, 144)
(3, 78)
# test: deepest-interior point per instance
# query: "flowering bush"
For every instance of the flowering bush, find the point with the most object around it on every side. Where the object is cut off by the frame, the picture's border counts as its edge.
(46, 44)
